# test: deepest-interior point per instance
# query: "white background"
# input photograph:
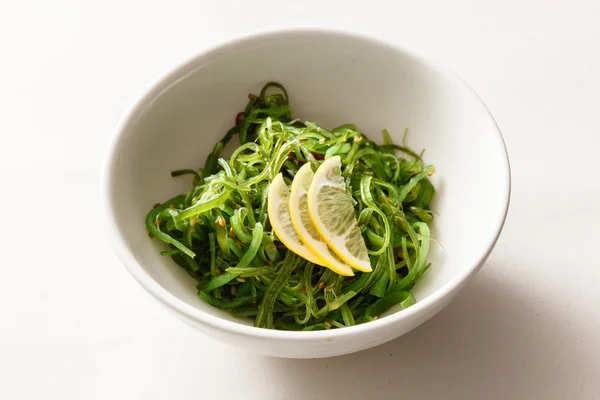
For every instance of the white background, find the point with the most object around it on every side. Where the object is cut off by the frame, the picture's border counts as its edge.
(75, 325)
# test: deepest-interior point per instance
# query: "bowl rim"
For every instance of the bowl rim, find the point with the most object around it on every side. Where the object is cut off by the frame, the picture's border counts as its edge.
(194, 314)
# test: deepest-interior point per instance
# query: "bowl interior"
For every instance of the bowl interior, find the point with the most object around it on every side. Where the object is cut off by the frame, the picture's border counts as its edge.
(331, 79)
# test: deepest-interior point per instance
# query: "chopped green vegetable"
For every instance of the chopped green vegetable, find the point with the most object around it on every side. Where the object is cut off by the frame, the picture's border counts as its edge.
(219, 232)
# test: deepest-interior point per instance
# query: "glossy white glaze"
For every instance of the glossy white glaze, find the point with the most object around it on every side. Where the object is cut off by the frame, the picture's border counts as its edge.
(332, 78)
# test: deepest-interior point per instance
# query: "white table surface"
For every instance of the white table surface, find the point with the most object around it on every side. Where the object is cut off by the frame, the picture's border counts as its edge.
(75, 325)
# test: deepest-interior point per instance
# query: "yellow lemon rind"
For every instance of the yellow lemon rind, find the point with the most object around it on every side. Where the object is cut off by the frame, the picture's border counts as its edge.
(336, 243)
(318, 248)
(272, 204)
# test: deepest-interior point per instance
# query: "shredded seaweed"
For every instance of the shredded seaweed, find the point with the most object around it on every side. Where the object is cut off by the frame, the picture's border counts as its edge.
(220, 234)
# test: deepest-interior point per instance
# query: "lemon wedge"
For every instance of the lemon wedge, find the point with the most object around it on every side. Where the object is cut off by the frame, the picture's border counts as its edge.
(279, 216)
(301, 221)
(332, 214)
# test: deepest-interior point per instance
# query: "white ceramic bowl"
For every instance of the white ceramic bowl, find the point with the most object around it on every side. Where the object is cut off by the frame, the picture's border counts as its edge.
(332, 78)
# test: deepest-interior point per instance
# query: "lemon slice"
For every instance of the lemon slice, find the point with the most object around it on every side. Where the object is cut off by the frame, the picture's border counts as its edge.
(304, 227)
(279, 216)
(332, 213)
